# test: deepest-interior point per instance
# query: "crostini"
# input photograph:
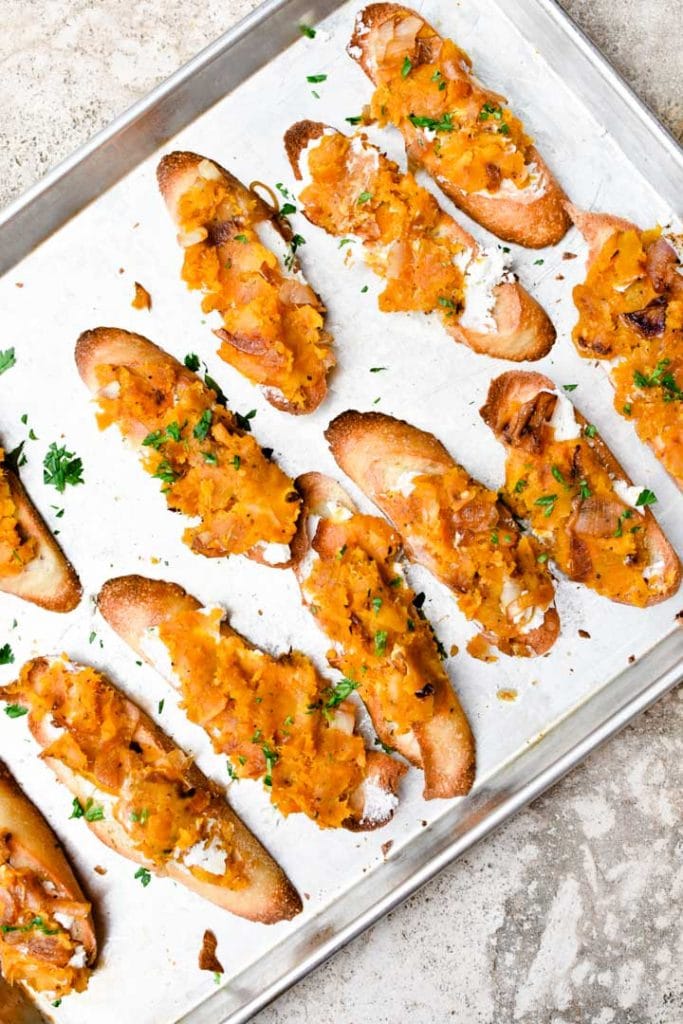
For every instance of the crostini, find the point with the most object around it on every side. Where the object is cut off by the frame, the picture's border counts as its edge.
(458, 131)
(563, 480)
(32, 565)
(47, 938)
(209, 465)
(142, 795)
(455, 527)
(429, 262)
(274, 718)
(631, 317)
(16, 1007)
(349, 570)
(241, 254)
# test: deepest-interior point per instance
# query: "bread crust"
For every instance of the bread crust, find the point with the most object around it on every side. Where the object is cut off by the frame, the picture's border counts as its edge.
(48, 580)
(444, 745)
(523, 330)
(133, 604)
(268, 897)
(16, 1007)
(176, 173)
(373, 449)
(35, 846)
(534, 224)
(517, 387)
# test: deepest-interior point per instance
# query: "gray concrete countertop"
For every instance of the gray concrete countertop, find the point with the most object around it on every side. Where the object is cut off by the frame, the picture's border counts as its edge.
(571, 913)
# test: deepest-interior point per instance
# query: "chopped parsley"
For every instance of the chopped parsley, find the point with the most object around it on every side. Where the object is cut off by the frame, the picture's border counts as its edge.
(626, 514)
(660, 377)
(211, 383)
(590, 430)
(646, 497)
(520, 485)
(144, 875)
(570, 387)
(35, 923)
(542, 558)
(434, 124)
(91, 811)
(626, 409)
(584, 489)
(354, 120)
(7, 360)
(211, 458)
(307, 31)
(364, 197)
(231, 771)
(539, 263)
(339, 693)
(314, 79)
(6, 655)
(243, 420)
(385, 748)
(406, 67)
(559, 476)
(346, 241)
(377, 604)
(378, 369)
(381, 637)
(61, 467)
(547, 502)
(241, 238)
(155, 439)
(174, 430)
(203, 425)
(491, 110)
(191, 361)
(494, 537)
(165, 472)
(160, 706)
(286, 209)
(15, 711)
(140, 817)
(271, 757)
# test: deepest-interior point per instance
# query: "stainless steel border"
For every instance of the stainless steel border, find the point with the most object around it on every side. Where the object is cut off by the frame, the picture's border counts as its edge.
(106, 158)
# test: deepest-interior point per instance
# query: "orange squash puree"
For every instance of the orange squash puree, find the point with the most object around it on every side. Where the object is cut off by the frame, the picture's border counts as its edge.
(35, 948)
(631, 311)
(474, 546)
(358, 594)
(407, 237)
(16, 551)
(567, 496)
(207, 465)
(274, 321)
(464, 132)
(273, 717)
(149, 786)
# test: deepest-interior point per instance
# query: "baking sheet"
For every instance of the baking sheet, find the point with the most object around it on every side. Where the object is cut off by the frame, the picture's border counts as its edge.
(117, 522)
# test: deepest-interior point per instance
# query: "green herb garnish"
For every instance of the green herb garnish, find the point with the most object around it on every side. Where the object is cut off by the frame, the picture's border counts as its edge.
(6, 655)
(203, 425)
(61, 467)
(144, 875)
(7, 360)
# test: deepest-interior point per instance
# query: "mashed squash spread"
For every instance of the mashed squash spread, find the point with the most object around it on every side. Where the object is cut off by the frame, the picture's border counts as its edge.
(16, 550)
(407, 239)
(273, 717)
(208, 466)
(272, 321)
(631, 313)
(36, 944)
(470, 541)
(588, 520)
(383, 644)
(463, 132)
(168, 810)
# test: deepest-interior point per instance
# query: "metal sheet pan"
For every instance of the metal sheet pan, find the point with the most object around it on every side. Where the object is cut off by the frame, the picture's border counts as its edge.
(232, 103)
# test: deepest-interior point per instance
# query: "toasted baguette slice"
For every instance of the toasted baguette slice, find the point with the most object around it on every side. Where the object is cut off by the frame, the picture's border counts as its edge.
(455, 527)
(315, 764)
(423, 81)
(430, 263)
(119, 764)
(16, 1007)
(240, 253)
(562, 477)
(399, 675)
(630, 317)
(35, 568)
(37, 883)
(209, 465)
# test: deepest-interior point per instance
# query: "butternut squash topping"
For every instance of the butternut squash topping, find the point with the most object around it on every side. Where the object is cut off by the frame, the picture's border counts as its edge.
(152, 790)
(567, 496)
(631, 311)
(16, 550)
(36, 948)
(475, 547)
(273, 717)
(407, 237)
(465, 133)
(208, 466)
(383, 644)
(273, 322)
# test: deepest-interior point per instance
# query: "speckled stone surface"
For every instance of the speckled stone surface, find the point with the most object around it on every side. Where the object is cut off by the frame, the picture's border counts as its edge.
(571, 914)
